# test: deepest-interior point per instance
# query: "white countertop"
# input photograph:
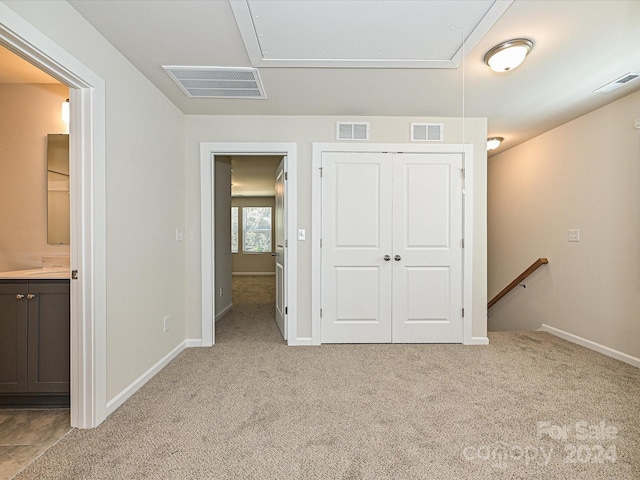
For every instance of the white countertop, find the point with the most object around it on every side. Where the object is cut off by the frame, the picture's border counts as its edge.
(38, 274)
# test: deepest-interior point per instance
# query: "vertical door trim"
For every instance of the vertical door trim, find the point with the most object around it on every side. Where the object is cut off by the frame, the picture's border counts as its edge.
(88, 212)
(208, 150)
(316, 222)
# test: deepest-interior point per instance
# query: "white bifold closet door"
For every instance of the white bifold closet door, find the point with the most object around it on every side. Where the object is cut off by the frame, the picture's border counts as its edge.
(392, 248)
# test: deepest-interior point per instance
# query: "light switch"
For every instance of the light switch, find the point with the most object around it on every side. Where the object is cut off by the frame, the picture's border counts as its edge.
(574, 235)
(302, 234)
(179, 235)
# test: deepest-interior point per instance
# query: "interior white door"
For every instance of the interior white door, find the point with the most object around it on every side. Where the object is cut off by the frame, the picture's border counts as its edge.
(427, 248)
(356, 223)
(280, 249)
(392, 248)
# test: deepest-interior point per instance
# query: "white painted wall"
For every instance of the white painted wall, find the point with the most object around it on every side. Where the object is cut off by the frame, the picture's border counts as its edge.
(28, 112)
(304, 130)
(144, 198)
(582, 175)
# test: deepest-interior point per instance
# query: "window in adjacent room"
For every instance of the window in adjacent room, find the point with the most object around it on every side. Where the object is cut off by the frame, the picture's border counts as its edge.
(256, 229)
(234, 229)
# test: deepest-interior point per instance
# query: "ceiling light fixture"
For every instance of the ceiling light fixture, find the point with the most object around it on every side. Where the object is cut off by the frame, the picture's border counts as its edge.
(493, 142)
(508, 55)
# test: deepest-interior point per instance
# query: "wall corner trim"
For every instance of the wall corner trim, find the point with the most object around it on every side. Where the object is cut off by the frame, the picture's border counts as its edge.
(610, 352)
(133, 387)
(224, 311)
(193, 342)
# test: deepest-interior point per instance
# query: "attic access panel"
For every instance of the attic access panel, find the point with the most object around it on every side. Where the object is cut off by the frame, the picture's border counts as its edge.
(363, 34)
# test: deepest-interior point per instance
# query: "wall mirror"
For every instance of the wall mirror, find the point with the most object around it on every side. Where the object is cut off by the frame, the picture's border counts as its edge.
(58, 206)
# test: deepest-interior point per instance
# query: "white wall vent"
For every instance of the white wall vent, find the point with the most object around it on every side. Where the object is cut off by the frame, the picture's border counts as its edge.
(617, 83)
(217, 82)
(352, 131)
(426, 132)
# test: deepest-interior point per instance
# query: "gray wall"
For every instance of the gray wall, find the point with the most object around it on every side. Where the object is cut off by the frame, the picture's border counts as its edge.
(304, 130)
(582, 175)
(145, 193)
(222, 239)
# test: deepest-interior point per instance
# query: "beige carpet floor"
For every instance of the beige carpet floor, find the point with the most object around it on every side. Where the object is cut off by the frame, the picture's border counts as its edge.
(529, 405)
(253, 289)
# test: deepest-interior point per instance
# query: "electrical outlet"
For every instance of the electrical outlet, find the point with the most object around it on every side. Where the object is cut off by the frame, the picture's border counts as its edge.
(574, 235)
(166, 323)
(221, 292)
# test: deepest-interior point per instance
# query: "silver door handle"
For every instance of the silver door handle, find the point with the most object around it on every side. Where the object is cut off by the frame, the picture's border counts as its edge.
(397, 258)
(274, 254)
(387, 258)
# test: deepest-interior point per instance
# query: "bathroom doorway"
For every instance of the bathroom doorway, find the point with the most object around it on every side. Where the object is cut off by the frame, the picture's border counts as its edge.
(88, 215)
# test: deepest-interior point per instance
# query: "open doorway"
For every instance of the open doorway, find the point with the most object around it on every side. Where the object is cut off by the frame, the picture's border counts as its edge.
(249, 234)
(88, 216)
(213, 155)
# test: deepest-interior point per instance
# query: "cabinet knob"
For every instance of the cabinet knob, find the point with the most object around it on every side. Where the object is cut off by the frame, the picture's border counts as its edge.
(31, 296)
(19, 296)
(397, 258)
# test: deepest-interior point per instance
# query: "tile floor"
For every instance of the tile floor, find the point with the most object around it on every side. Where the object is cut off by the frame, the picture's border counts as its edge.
(26, 433)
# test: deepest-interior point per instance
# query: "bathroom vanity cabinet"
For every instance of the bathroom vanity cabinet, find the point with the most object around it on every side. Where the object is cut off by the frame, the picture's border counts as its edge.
(34, 341)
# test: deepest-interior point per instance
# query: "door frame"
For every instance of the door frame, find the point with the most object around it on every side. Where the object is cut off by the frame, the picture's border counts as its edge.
(88, 212)
(208, 151)
(316, 222)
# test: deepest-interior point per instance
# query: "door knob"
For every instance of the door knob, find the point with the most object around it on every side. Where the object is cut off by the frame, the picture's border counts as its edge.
(19, 296)
(274, 254)
(387, 258)
(397, 258)
(31, 296)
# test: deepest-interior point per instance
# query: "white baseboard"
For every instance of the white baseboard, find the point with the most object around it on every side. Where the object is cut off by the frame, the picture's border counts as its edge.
(224, 311)
(610, 352)
(124, 395)
(300, 341)
(478, 341)
(252, 273)
(193, 342)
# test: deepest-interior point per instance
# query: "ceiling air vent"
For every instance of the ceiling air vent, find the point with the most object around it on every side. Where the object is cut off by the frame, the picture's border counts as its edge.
(352, 131)
(426, 132)
(217, 82)
(617, 83)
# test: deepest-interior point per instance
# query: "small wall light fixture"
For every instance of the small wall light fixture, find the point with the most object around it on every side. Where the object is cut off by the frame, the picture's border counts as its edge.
(493, 142)
(65, 111)
(508, 55)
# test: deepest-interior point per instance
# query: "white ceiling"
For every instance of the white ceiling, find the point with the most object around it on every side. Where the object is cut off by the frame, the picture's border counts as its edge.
(358, 34)
(254, 176)
(579, 46)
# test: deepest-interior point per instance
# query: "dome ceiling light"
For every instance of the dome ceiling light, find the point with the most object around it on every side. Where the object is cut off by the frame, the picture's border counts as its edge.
(493, 142)
(508, 55)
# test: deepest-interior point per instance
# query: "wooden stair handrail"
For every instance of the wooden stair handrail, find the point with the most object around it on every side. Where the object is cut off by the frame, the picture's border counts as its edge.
(534, 266)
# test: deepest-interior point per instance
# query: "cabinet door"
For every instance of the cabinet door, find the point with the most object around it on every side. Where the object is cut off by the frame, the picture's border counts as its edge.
(49, 315)
(13, 338)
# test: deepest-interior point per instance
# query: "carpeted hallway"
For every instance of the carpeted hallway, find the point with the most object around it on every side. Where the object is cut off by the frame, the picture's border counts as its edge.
(252, 408)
